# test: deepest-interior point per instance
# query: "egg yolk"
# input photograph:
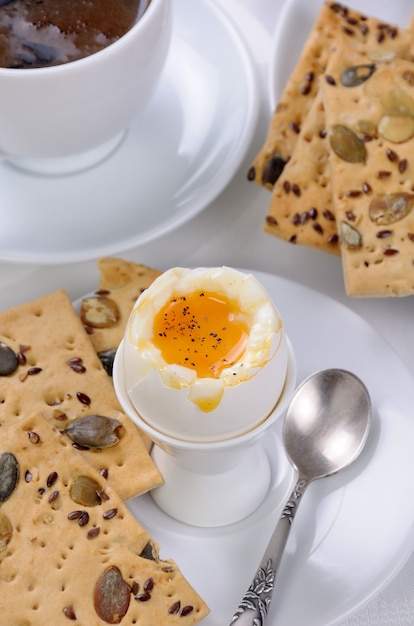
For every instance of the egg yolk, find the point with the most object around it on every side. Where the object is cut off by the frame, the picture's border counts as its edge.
(202, 331)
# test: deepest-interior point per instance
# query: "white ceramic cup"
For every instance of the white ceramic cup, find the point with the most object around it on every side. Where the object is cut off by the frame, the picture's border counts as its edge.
(64, 118)
(210, 484)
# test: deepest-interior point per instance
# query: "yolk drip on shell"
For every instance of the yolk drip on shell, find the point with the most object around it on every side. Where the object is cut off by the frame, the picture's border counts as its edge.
(202, 331)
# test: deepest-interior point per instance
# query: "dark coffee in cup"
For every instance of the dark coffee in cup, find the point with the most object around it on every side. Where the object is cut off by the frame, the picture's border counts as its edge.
(41, 33)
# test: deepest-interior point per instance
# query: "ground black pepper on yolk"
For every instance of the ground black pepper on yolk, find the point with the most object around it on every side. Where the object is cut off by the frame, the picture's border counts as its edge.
(203, 331)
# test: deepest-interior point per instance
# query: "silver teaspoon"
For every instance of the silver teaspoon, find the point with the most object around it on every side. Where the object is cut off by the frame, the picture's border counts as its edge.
(325, 429)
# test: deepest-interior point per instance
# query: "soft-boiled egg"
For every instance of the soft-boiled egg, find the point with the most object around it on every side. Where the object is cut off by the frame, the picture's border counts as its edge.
(204, 354)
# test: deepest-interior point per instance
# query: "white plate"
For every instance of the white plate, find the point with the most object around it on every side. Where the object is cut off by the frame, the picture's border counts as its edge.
(296, 21)
(355, 530)
(173, 162)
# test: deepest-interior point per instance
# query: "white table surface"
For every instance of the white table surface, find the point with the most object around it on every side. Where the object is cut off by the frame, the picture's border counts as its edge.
(229, 231)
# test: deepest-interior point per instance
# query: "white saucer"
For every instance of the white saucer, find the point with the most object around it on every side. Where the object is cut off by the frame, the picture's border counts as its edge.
(295, 22)
(172, 163)
(355, 530)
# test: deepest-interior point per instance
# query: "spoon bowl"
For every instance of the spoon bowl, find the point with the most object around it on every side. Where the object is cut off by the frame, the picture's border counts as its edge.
(327, 423)
(325, 429)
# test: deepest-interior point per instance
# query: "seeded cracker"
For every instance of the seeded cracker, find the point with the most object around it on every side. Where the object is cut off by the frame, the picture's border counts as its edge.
(334, 23)
(55, 547)
(122, 282)
(301, 210)
(106, 312)
(371, 136)
(60, 375)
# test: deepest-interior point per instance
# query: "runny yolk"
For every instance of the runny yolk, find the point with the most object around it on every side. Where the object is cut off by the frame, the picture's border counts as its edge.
(203, 331)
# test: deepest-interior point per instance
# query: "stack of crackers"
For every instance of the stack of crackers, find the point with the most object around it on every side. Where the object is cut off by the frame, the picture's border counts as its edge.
(70, 550)
(338, 155)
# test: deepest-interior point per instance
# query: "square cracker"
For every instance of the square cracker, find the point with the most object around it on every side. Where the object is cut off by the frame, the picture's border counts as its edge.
(372, 171)
(50, 564)
(47, 332)
(335, 22)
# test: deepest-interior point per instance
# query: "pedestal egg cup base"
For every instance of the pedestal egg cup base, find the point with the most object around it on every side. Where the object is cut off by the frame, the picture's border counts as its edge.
(216, 499)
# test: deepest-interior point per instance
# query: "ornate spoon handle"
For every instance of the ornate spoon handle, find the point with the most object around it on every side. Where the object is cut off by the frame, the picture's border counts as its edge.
(254, 607)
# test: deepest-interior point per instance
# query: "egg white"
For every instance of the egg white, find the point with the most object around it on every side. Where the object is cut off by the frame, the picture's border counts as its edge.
(265, 324)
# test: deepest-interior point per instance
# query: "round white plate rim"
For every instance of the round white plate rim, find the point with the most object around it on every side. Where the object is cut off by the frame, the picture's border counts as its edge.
(240, 141)
(277, 77)
(277, 285)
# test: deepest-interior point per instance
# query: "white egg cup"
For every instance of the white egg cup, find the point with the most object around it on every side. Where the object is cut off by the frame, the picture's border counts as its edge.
(65, 118)
(213, 483)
